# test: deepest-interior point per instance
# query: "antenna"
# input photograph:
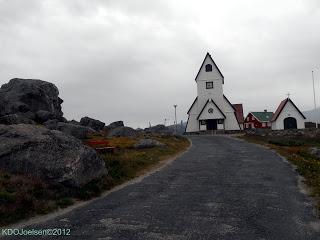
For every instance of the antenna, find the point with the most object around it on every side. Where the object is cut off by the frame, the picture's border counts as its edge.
(288, 94)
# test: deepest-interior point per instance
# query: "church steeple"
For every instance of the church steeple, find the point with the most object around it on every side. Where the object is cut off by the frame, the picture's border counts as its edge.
(209, 67)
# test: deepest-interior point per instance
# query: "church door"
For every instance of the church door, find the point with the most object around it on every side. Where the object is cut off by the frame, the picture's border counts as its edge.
(290, 123)
(212, 124)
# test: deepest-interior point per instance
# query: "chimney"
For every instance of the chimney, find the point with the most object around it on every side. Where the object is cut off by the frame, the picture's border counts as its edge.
(265, 110)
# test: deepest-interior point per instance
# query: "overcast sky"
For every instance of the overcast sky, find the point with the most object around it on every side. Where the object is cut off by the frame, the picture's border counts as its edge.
(131, 60)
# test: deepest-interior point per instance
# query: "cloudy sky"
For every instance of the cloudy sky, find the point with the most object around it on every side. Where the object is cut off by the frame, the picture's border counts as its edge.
(132, 60)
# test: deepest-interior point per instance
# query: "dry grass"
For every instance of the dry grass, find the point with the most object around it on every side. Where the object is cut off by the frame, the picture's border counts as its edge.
(296, 152)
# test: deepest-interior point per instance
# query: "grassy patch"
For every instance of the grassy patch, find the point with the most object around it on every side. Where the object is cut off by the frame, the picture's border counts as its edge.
(128, 162)
(24, 196)
(296, 151)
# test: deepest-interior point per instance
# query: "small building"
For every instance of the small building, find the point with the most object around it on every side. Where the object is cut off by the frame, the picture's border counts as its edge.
(211, 110)
(287, 116)
(258, 120)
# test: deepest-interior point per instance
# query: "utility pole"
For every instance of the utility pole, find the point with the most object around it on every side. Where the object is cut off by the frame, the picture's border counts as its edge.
(175, 118)
(314, 92)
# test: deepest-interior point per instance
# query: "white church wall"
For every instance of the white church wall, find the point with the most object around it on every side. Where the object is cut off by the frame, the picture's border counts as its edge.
(216, 93)
(203, 127)
(215, 115)
(193, 124)
(231, 122)
(220, 126)
(288, 111)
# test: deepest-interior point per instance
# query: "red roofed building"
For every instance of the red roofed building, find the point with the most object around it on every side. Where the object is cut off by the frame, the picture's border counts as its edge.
(239, 114)
(287, 116)
(258, 120)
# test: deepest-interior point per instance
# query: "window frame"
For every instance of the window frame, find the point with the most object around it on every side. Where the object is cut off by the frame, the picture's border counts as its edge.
(203, 122)
(207, 85)
(208, 67)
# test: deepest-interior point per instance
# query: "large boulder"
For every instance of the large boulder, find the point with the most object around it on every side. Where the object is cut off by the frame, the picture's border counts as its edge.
(32, 99)
(78, 131)
(116, 124)
(92, 123)
(122, 132)
(148, 143)
(53, 156)
(15, 119)
(43, 116)
(112, 125)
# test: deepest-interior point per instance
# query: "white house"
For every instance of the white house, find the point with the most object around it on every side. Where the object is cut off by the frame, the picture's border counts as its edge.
(211, 110)
(287, 116)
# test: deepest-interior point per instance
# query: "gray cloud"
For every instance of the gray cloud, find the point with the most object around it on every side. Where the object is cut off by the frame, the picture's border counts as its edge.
(132, 60)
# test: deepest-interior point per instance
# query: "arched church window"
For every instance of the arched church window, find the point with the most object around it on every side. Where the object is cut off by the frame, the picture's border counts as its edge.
(208, 68)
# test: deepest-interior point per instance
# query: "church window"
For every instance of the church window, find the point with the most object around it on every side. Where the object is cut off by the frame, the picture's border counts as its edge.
(210, 110)
(203, 122)
(220, 121)
(208, 68)
(209, 85)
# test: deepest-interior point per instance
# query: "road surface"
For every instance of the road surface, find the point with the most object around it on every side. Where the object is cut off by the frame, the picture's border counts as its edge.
(222, 188)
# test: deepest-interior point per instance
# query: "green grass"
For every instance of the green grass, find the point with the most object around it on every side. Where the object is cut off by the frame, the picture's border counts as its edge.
(296, 152)
(25, 196)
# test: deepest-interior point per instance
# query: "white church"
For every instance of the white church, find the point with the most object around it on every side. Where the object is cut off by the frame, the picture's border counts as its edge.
(211, 110)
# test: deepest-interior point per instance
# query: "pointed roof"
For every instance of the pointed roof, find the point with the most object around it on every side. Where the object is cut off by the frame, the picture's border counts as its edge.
(192, 105)
(262, 116)
(281, 107)
(208, 101)
(239, 112)
(208, 55)
(229, 102)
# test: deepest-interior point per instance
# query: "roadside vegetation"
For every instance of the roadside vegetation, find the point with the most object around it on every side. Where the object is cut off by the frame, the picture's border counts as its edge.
(297, 151)
(25, 196)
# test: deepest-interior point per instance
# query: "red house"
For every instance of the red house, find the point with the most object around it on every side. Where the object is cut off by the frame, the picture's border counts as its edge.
(258, 120)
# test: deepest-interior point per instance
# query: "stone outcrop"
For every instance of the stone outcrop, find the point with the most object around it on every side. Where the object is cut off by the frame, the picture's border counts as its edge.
(51, 155)
(159, 129)
(78, 131)
(122, 132)
(32, 99)
(15, 119)
(92, 123)
(116, 124)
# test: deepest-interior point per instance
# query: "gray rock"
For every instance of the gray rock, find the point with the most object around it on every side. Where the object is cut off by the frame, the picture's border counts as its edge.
(315, 151)
(148, 143)
(78, 131)
(122, 132)
(92, 123)
(50, 155)
(26, 97)
(43, 116)
(51, 124)
(116, 124)
(159, 129)
(74, 122)
(15, 119)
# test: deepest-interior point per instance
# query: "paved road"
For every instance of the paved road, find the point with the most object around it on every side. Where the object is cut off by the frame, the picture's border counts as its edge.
(221, 188)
